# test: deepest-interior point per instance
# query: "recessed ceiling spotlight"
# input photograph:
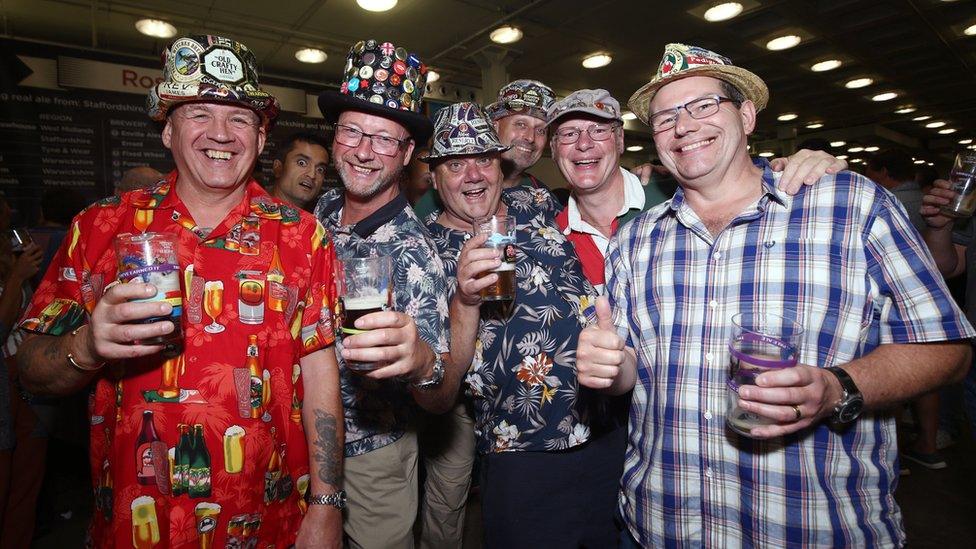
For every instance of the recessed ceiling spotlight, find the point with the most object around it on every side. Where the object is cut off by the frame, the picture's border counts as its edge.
(886, 96)
(635, 148)
(965, 141)
(856, 149)
(919, 162)
(766, 154)
(787, 116)
(970, 30)
(628, 116)
(597, 60)
(783, 42)
(838, 143)
(936, 124)
(311, 55)
(905, 110)
(842, 156)
(506, 35)
(826, 65)
(723, 11)
(871, 149)
(377, 5)
(947, 131)
(858, 83)
(814, 125)
(921, 118)
(155, 28)
(433, 76)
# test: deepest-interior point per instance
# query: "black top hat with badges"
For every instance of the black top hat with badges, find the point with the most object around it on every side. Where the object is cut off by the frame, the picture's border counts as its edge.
(383, 80)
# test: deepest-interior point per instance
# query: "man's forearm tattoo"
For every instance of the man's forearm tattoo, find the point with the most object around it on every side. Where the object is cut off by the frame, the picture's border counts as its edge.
(328, 448)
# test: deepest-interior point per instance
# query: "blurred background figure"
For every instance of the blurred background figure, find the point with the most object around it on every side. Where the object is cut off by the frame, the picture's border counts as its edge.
(299, 168)
(139, 177)
(416, 178)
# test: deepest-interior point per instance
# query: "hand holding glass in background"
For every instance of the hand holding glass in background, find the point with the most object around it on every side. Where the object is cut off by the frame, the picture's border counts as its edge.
(963, 179)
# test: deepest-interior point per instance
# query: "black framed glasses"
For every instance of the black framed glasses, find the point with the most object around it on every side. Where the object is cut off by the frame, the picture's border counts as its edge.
(703, 107)
(381, 144)
(599, 132)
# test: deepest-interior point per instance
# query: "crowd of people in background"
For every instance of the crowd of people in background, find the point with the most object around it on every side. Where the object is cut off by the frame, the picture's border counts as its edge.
(590, 411)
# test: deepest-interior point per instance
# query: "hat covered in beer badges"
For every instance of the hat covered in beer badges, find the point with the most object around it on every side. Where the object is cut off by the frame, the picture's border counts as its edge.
(681, 61)
(208, 68)
(382, 79)
(529, 97)
(463, 129)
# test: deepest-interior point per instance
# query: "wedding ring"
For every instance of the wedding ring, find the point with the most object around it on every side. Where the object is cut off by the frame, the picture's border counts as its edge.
(796, 410)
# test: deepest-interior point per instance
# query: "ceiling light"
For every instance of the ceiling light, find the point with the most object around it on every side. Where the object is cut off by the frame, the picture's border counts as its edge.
(919, 162)
(635, 148)
(858, 83)
(787, 116)
(886, 96)
(936, 124)
(824, 66)
(766, 154)
(856, 161)
(311, 55)
(921, 118)
(597, 60)
(970, 30)
(433, 76)
(723, 12)
(871, 149)
(856, 149)
(629, 116)
(842, 156)
(965, 141)
(905, 110)
(783, 42)
(838, 143)
(947, 131)
(155, 28)
(814, 125)
(377, 5)
(506, 35)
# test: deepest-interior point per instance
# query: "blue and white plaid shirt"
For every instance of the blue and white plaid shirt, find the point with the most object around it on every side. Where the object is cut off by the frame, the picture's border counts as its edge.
(843, 256)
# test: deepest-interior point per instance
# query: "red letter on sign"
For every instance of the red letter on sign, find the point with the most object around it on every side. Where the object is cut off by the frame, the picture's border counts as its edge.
(128, 77)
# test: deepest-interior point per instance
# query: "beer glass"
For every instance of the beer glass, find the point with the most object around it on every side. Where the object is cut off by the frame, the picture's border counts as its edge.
(760, 342)
(234, 449)
(145, 525)
(152, 258)
(501, 236)
(213, 304)
(207, 516)
(963, 179)
(19, 239)
(364, 286)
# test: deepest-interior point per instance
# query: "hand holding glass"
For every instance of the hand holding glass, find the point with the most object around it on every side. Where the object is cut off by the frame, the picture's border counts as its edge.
(501, 236)
(364, 286)
(963, 179)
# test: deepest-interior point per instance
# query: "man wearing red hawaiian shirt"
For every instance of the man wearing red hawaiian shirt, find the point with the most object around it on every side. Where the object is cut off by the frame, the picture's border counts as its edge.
(208, 446)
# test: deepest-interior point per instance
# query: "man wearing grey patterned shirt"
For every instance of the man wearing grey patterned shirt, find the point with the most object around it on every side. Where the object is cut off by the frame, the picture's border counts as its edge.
(374, 138)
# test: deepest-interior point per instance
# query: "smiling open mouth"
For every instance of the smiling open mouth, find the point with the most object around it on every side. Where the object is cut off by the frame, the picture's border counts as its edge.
(697, 145)
(474, 193)
(586, 162)
(218, 155)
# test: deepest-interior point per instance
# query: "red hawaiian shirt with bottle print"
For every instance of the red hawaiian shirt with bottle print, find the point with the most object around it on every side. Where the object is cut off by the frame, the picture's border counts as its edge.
(205, 448)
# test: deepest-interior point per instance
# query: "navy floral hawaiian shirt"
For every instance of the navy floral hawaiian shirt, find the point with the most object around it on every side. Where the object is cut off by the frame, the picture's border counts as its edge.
(523, 376)
(377, 412)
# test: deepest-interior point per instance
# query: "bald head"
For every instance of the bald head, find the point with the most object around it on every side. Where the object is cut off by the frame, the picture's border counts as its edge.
(139, 177)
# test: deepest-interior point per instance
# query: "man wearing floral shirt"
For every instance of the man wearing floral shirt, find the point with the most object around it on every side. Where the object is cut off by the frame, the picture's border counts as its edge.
(256, 367)
(374, 138)
(548, 474)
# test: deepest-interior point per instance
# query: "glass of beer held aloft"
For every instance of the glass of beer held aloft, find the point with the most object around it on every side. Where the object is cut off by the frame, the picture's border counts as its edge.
(963, 179)
(364, 286)
(501, 236)
(760, 342)
(152, 258)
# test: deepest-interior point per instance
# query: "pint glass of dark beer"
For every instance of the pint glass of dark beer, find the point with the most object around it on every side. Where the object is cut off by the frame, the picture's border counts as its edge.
(501, 236)
(364, 285)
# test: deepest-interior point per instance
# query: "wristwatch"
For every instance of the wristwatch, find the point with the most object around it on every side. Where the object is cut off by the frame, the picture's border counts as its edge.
(851, 402)
(435, 377)
(335, 499)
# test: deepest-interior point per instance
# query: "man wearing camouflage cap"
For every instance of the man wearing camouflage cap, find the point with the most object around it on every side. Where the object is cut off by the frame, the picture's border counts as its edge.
(377, 122)
(190, 400)
(519, 119)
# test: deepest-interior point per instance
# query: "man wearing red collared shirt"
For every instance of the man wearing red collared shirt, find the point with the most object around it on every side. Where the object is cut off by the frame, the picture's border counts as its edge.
(208, 444)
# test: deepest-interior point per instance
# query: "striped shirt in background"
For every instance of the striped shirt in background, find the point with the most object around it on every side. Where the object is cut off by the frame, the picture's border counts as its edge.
(843, 256)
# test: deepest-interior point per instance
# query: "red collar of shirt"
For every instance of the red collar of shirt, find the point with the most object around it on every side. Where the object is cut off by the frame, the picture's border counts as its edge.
(588, 252)
(161, 197)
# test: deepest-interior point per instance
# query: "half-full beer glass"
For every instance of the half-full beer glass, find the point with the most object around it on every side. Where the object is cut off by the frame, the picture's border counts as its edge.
(152, 258)
(963, 179)
(760, 342)
(501, 236)
(364, 286)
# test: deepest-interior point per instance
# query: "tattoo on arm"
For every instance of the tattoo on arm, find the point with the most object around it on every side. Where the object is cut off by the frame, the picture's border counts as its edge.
(327, 448)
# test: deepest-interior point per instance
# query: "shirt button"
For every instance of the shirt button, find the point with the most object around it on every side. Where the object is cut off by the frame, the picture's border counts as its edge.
(708, 472)
(708, 415)
(713, 303)
(717, 255)
(709, 357)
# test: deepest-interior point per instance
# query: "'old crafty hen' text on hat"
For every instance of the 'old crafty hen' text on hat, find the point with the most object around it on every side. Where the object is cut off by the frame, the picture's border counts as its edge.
(528, 97)
(681, 61)
(383, 80)
(209, 69)
(463, 129)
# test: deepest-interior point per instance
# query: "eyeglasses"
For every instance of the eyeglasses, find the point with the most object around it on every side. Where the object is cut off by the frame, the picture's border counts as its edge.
(381, 144)
(568, 136)
(703, 107)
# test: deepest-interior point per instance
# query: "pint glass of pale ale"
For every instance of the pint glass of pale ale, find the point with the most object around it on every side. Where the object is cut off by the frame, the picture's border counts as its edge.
(501, 236)
(364, 286)
(152, 258)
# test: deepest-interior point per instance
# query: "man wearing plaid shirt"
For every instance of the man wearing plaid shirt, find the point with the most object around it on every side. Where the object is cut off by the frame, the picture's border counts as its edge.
(841, 257)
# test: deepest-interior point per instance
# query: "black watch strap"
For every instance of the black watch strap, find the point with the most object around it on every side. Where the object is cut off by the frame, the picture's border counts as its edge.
(852, 402)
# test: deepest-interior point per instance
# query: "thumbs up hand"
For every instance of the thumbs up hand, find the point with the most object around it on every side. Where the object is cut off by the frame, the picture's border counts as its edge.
(601, 351)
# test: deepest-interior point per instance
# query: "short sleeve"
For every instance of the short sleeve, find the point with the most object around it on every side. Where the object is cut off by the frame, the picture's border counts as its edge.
(68, 292)
(318, 328)
(421, 289)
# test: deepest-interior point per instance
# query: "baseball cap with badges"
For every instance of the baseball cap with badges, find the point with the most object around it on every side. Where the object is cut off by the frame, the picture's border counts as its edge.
(205, 68)
(385, 80)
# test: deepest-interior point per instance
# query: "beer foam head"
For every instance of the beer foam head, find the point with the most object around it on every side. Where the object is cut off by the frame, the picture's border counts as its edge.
(206, 505)
(359, 303)
(142, 500)
(234, 430)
